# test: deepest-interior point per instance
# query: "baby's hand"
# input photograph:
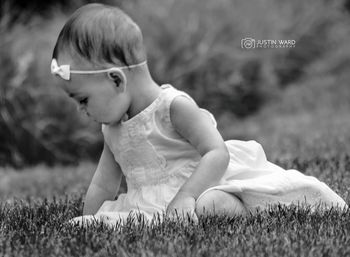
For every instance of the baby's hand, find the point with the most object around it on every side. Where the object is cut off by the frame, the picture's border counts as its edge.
(182, 206)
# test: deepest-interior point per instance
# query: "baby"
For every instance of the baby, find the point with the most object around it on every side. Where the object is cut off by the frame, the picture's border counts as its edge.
(173, 157)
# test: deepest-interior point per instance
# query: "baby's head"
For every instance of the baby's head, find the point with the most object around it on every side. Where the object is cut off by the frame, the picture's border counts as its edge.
(97, 51)
(102, 35)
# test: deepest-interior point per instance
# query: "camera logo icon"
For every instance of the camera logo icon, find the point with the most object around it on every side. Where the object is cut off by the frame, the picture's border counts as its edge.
(248, 43)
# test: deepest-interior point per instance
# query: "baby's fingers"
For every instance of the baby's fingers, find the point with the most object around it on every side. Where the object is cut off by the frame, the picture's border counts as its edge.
(186, 216)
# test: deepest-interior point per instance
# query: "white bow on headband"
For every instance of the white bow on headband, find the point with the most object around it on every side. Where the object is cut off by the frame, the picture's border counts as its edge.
(64, 70)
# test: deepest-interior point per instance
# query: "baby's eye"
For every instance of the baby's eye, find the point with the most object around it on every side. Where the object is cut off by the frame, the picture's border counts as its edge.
(83, 101)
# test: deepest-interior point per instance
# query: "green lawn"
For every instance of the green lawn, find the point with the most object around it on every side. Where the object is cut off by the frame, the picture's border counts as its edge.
(39, 230)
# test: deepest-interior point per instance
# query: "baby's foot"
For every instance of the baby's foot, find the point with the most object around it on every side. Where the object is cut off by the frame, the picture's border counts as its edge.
(83, 221)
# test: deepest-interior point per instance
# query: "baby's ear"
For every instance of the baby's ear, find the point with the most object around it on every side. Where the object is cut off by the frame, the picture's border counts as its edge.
(118, 77)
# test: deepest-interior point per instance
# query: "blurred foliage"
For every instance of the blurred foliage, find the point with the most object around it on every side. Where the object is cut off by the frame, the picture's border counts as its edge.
(21, 11)
(195, 45)
(36, 122)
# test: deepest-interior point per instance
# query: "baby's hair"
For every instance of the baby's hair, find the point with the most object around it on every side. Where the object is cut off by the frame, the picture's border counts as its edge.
(101, 34)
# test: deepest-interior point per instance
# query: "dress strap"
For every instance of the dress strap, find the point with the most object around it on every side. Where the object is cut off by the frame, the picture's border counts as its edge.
(172, 93)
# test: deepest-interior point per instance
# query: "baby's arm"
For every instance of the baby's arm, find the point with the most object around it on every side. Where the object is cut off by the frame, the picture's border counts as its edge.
(190, 122)
(105, 182)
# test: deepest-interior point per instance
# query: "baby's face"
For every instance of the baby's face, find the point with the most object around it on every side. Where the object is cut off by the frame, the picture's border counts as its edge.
(95, 94)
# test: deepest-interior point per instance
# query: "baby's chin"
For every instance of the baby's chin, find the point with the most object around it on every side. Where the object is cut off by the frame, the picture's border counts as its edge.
(107, 123)
(124, 118)
(100, 122)
(104, 122)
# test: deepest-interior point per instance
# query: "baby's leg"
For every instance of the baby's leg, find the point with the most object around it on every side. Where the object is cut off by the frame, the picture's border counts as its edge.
(219, 202)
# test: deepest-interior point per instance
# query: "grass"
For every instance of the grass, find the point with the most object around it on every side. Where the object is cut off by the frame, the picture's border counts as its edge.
(37, 202)
(39, 229)
(306, 128)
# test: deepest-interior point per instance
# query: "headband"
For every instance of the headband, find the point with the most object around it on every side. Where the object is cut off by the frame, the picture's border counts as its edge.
(64, 71)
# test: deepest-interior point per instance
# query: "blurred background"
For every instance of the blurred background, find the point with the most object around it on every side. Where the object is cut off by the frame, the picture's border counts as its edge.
(295, 101)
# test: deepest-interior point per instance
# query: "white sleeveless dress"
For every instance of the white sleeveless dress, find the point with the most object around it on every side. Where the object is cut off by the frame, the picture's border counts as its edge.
(157, 161)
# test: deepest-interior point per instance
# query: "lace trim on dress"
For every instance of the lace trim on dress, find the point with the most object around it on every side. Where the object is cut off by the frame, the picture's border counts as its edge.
(142, 116)
(137, 183)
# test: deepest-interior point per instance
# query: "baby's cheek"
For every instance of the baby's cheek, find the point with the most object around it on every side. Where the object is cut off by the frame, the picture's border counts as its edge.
(98, 108)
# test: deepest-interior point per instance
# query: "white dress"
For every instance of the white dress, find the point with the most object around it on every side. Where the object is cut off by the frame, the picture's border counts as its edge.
(157, 161)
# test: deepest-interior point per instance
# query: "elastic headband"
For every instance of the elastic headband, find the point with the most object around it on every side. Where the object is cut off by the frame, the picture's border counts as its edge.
(64, 71)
